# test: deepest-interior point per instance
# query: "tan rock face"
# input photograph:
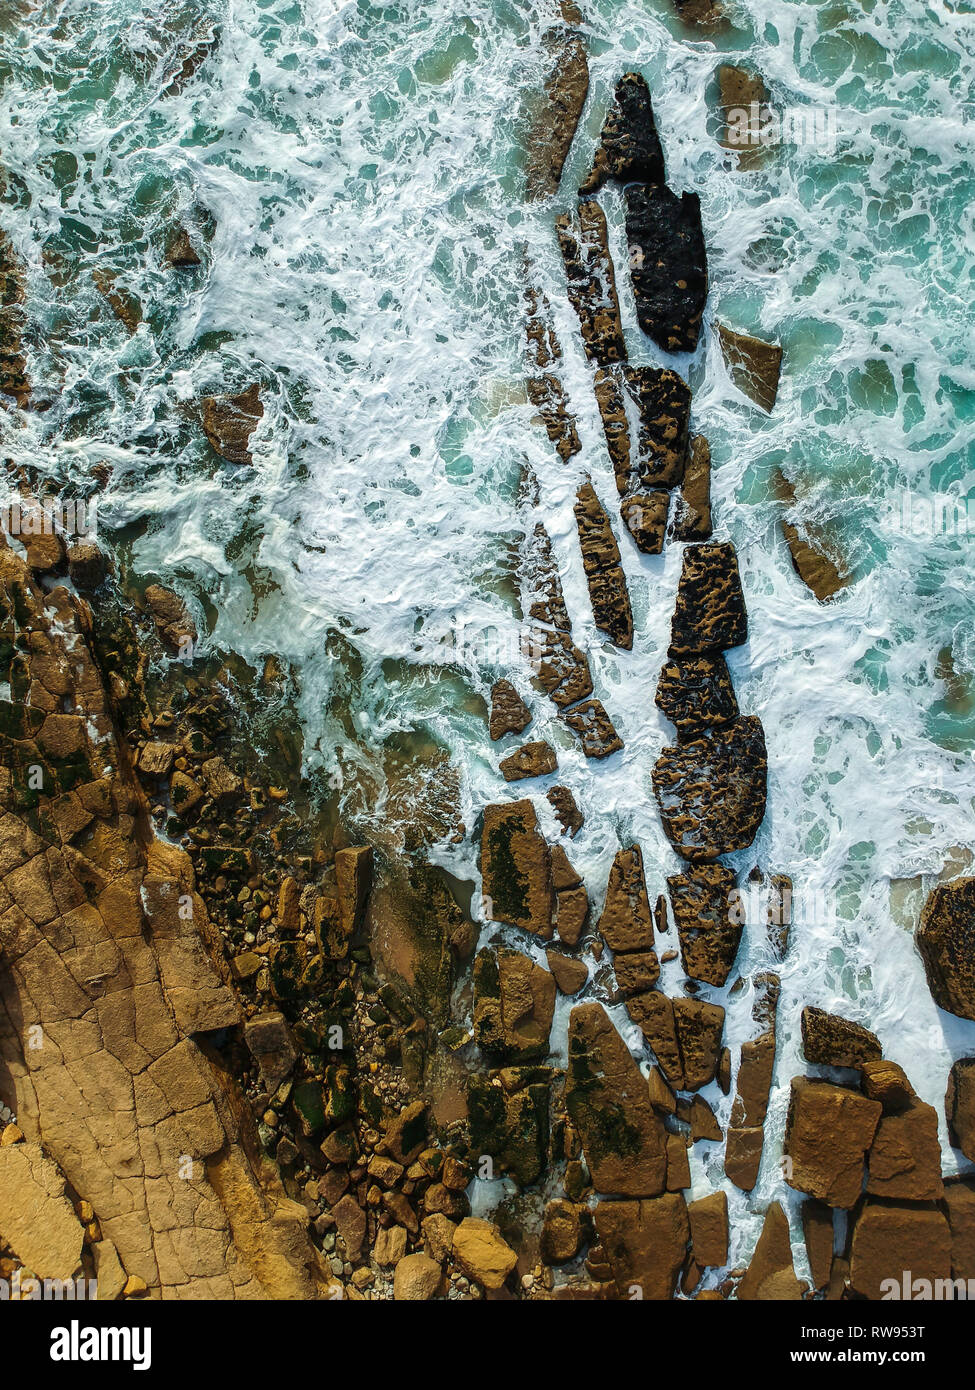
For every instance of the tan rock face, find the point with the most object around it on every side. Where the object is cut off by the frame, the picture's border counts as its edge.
(708, 1217)
(890, 1241)
(905, 1157)
(625, 923)
(36, 1219)
(229, 422)
(105, 978)
(601, 561)
(946, 941)
(515, 867)
(417, 1279)
(482, 1253)
(645, 1243)
(607, 1101)
(554, 123)
(817, 1230)
(828, 1132)
(771, 1276)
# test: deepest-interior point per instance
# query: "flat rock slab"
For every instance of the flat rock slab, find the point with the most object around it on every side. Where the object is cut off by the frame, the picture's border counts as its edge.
(36, 1219)
(515, 867)
(645, 1243)
(828, 1132)
(591, 279)
(711, 790)
(709, 615)
(946, 941)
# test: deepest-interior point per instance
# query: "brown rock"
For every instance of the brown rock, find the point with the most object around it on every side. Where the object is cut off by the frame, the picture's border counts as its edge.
(607, 1101)
(567, 812)
(625, 923)
(514, 1000)
(946, 941)
(709, 615)
(702, 1121)
(571, 914)
(890, 1242)
(591, 280)
(87, 565)
(711, 790)
(653, 1012)
(695, 693)
(229, 422)
(645, 1243)
(836, 1042)
(743, 1156)
(482, 1253)
(515, 869)
(708, 1218)
(753, 365)
(661, 1096)
(531, 760)
(693, 519)
(678, 1167)
(960, 1206)
(817, 1230)
(905, 1157)
(828, 1132)
(886, 1082)
(561, 1232)
(569, 974)
(960, 1106)
(417, 1279)
(601, 561)
(169, 613)
(353, 878)
(636, 973)
(509, 713)
(594, 728)
(268, 1037)
(817, 570)
(555, 122)
(703, 899)
(156, 759)
(699, 1026)
(771, 1276)
(37, 1221)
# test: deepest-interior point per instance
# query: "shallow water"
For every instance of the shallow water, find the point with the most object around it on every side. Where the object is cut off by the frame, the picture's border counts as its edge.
(356, 169)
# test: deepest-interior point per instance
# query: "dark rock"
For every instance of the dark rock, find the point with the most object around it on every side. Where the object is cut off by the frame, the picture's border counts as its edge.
(711, 790)
(545, 389)
(629, 149)
(509, 713)
(645, 517)
(607, 1101)
(960, 1106)
(709, 615)
(601, 561)
(512, 1128)
(668, 264)
(960, 1207)
(817, 570)
(886, 1082)
(695, 693)
(946, 941)
(592, 282)
(180, 252)
(832, 1041)
(562, 1232)
(702, 901)
(87, 565)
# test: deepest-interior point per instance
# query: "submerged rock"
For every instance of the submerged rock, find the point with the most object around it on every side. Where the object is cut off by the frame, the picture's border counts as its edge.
(629, 146)
(229, 422)
(668, 264)
(594, 728)
(592, 282)
(711, 789)
(753, 365)
(693, 519)
(532, 760)
(567, 812)
(554, 124)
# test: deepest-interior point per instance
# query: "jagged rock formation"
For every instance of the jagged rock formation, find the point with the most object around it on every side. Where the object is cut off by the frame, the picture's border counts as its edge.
(109, 993)
(509, 713)
(753, 365)
(946, 941)
(554, 123)
(13, 364)
(836, 1042)
(668, 264)
(629, 147)
(591, 280)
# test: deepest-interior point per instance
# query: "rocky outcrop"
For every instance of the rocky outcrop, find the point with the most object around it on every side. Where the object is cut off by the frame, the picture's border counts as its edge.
(515, 868)
(106, 967)
(711, 790)
(514, 1000)
(566, 810)
(684, 1034)
(703, 900)
(593, 727)
(607, 1101)
(531, 760)
(508, 1116)
(509, 713)
(771, 1276)
(946, 941)
(828, 1133)
(37, 1221)
(905, 1157)
(746, 1136)
(836, 1042)
(709, 614)
(960, 1106)
(554, 123)
(592, 282)
(891, 1243)
(544, 384)
(708, 1218)
(695, 693)
(604, 573)
(644, 1243)
(229, 422)
(668, 264)
(753, 365)
(693, 519)
(629, 147)
(13, 363)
